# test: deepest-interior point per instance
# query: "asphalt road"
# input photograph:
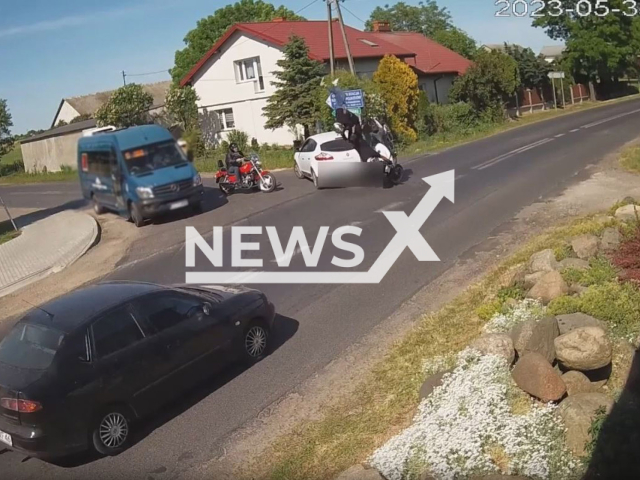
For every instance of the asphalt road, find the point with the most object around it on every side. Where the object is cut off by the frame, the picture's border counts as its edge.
(495, 178)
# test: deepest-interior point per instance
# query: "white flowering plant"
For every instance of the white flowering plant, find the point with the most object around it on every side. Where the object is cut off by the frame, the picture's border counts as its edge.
(524, 310)
(467, 427)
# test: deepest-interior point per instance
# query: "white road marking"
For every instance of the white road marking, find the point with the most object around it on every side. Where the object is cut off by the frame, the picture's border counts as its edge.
(499, 159)
(390, 207)
(574, 130)
(461, 176)
(38, 193)
(600, 122)
(560, 135)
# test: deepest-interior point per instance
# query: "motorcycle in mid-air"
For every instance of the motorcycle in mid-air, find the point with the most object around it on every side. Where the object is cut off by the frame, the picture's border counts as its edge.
(251, 176)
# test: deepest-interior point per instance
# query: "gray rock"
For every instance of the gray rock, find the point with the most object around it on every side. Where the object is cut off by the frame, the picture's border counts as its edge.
(577, 382)
(627, 213)
(577, 413)
(513, 275)
(551, 285)
(431, 383)
(536, 336)
(531, 279)
(575, 263)
(358, 472)
(544, 260)
(571, 321)
(535, 375)
(499, 344)
(610, 239)
(577, 289)
(585, 246)
(585, 348)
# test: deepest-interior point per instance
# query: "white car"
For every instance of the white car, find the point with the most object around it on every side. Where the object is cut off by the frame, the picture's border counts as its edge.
(318, 151)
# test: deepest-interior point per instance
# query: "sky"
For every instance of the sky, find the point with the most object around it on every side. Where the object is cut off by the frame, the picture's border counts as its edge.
(52, 49)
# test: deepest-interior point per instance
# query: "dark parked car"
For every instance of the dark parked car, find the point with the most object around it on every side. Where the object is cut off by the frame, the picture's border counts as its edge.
(78, 371)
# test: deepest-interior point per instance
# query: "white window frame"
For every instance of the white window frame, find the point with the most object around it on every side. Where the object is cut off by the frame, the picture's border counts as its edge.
(222, 117)
(241, 72)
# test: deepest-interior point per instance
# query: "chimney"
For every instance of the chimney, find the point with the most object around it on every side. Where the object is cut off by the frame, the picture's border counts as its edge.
(279, 20)
(381, 26)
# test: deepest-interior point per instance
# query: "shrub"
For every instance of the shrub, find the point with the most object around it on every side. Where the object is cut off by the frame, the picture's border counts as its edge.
(562, 252)
(254, 144)
(616, 303)
(457, 117)
(628, 257)
(238, 137)
(601, 271)
(502, 322)
(193, 137)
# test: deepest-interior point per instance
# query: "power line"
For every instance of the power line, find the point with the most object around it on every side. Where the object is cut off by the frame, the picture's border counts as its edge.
(146, 73)
(353, 14)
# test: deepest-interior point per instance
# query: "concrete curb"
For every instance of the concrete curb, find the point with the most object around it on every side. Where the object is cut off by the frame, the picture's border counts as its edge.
(47, 246)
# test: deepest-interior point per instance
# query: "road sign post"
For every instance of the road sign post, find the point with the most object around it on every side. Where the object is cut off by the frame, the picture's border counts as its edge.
(553, 76)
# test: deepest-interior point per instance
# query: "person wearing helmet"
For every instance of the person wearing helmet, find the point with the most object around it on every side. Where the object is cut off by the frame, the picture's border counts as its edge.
(233, 160)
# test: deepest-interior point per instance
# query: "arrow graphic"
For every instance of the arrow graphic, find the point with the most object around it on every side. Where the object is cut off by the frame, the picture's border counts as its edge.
(407, 236)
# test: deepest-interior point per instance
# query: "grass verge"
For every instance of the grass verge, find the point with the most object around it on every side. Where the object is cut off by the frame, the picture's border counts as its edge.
(387, 398)
(24, 177)
(5, 237)
(630, 159)
(271, 160)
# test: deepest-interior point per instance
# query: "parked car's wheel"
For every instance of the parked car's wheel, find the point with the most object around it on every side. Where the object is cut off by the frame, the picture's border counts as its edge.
(111, 431)
(135, 215)
(96, 206)
(297, 171)
(255, 342)
(268, 183)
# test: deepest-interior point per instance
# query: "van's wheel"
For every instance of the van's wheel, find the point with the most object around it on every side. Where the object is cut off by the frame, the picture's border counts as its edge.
(297, 171)
(135, 214)
(96, 206)
(111, 430)
(255, 342)
(197, 207)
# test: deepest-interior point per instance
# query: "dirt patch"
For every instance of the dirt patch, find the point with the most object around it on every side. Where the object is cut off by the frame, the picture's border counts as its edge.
(115, 237)
(605, 184)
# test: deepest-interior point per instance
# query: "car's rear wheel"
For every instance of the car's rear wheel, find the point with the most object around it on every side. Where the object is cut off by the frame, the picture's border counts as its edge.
(111, 431)
(255, 342)
(135, 214)
(99, 209)
(297, 171)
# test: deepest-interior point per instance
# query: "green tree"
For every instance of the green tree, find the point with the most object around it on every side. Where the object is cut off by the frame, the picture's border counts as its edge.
(209, 29)
(533, 69)
(181, 106)
(488, 83)
(458, 41)
(426, 17)
(298, 81)
(398, 86)
(62, 123)
(6, 140)
(599, 48)
(81, 118)
(127, 106)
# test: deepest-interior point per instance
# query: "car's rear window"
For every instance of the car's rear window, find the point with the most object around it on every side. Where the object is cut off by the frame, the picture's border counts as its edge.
(337, 145)
(30, 346)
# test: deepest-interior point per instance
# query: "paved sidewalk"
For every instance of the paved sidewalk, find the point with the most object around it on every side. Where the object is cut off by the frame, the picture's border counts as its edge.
(44, 247)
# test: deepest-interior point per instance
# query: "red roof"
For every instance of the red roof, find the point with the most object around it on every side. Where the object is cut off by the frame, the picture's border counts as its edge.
(316, 36)
(431, 57)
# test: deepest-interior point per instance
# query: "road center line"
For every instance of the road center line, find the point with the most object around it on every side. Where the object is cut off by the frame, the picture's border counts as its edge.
(600, 122)
(574, 130)
(560, 135)
(493, 161)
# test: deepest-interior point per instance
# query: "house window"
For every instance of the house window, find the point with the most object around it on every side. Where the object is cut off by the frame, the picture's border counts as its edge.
(226, 119)
(250, 70)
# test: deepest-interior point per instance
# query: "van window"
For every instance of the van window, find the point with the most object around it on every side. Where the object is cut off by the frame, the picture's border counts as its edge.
(99, 163)
(30, 346)
(152, 157)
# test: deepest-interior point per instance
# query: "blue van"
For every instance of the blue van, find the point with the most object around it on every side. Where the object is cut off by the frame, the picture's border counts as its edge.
(139, 172)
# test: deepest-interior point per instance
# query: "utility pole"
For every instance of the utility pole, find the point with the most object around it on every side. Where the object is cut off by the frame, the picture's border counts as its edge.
(344, 38)
(330, 21)
(124, 78)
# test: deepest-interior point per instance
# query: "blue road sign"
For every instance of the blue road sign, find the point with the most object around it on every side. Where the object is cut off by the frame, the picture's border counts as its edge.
(349, 98)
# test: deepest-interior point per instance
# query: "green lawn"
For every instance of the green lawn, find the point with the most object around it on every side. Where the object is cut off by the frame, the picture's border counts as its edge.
(630, 159)
(13, 156)
(5, 237)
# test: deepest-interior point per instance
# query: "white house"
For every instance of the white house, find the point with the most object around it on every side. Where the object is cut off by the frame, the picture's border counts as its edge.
(72, 107)
(552, 53)
(234, 79)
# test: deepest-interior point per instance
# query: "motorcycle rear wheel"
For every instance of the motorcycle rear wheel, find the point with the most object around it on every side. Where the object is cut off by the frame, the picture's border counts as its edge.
(226, 189)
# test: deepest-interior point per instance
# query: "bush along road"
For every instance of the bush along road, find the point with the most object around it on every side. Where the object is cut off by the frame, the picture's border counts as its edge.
(496, 178)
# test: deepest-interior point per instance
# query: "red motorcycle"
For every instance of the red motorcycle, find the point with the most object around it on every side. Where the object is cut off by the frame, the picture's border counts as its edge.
(251, 176)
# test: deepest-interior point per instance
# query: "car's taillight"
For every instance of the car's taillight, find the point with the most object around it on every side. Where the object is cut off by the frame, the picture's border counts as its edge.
(321, 157)
(18, 405)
